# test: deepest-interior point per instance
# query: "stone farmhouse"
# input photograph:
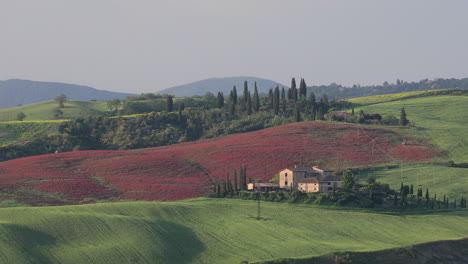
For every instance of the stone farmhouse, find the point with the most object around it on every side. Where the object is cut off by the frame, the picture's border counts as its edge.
(315, 179)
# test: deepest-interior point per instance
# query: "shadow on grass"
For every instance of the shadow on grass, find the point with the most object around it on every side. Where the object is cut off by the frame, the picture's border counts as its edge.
(181, 244)
(29, 241)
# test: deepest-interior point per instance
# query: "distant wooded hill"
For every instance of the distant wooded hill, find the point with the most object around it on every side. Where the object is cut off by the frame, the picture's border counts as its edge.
(337, 91)
(21, 92)
(215, 85)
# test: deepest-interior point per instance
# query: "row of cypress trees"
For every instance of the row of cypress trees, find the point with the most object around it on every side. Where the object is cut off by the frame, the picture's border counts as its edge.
(232, 186)
(405, 190)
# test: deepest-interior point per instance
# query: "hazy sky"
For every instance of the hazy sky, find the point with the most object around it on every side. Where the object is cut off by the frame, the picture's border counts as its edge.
(148, 45)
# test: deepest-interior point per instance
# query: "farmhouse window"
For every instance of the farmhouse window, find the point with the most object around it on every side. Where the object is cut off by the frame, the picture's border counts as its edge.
(286, 183)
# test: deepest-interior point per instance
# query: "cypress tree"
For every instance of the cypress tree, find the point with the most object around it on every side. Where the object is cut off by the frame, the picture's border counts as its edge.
(403, 120)
(289, 94)
(283, 101)
(276, 101)
(229, 189)
(248, 106)
(352, 111)
(245, 177)
(302, 89)
(244, 97)
(256, 100)
(427, 194)
(313, 104)
(224, 190)
(169, 103)
(401, 188)
(293, 90)
(220, 100)
(234, 95)
(241, 179)
(235, 181)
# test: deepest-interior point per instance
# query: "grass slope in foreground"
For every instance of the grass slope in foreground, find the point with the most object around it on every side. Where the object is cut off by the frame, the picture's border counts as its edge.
(44, 110)
(441, 120)
(208, 231)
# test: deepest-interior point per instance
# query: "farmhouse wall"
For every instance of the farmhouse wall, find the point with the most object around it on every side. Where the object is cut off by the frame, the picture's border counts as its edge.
(309, 187)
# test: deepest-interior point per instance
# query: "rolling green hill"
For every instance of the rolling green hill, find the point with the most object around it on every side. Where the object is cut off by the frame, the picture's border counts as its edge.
(442, 121)
(44, 110)
(16, 92)
(385, 98)
(208, 231)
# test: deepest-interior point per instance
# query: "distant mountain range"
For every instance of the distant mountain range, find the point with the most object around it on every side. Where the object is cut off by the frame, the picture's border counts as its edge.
(215, 85)
(21, 92)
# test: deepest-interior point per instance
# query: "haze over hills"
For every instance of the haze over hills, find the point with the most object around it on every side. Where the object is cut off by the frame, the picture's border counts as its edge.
(16, 92)
(215, 85)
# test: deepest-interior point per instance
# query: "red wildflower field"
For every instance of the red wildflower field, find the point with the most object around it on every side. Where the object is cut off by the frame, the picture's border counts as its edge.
(187, 170)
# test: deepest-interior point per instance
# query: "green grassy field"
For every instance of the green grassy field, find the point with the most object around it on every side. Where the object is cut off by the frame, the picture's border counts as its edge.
(384, 98)
(44, 110)
(442, 120)
(208, 231)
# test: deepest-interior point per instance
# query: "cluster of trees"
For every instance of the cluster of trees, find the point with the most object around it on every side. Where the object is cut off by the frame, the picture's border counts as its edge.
(407, 196)
(363, 118)
(451, 163)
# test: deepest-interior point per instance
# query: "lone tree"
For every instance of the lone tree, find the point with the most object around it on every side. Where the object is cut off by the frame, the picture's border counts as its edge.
(403, 120)
(114, 105)
(60, 100)
(21, 116)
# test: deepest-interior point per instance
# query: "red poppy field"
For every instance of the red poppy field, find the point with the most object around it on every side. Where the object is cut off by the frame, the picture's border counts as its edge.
(188, 170)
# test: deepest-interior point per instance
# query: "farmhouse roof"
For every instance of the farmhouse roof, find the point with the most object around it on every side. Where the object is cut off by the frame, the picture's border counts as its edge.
(301, 169)
(331, 178)
(309, 180)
